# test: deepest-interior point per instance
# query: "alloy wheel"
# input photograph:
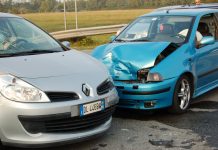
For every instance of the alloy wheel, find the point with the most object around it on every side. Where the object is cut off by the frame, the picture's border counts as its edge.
(184, 94)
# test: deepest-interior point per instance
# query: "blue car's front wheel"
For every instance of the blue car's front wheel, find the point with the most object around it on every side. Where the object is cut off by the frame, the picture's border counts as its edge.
(182, 95)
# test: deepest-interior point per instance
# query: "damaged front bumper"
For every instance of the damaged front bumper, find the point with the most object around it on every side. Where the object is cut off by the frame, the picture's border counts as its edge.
(146, 96)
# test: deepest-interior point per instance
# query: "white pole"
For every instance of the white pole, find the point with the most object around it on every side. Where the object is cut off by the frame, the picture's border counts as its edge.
(65, 19)
(76, 14)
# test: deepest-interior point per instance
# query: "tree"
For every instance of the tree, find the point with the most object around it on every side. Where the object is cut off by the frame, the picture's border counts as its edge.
(54, 5)
(47, 5)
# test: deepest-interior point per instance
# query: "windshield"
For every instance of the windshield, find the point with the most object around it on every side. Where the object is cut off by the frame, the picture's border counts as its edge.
(172, 29)
(20, 36)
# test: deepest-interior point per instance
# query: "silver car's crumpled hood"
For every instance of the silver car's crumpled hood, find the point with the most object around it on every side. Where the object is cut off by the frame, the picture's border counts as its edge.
(55, 71)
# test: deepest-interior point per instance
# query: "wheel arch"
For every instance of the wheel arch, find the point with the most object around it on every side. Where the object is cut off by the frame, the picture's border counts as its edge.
(192, 79)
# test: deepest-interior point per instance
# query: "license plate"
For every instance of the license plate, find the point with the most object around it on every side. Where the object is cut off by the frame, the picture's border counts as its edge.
(91, 108)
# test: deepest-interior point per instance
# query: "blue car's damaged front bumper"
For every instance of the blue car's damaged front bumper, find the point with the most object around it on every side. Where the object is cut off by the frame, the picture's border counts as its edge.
(124, 60)
(146, 96)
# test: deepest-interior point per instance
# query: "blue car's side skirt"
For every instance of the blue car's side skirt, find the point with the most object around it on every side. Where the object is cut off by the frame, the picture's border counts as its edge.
(206, 88)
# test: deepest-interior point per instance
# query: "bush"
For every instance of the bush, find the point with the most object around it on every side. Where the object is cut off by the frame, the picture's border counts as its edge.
(86, 41)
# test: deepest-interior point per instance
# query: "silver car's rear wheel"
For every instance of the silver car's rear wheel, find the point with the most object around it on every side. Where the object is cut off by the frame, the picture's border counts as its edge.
(182, 95)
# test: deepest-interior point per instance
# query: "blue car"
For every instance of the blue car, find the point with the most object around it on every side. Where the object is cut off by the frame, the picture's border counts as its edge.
(164, 59)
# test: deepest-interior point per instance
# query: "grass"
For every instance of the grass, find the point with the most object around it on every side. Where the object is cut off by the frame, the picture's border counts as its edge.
(54, 21)
(90, 42)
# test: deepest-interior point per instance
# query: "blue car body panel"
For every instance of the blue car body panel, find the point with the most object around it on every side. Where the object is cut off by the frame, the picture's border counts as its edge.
(162, 99)
(125, 59)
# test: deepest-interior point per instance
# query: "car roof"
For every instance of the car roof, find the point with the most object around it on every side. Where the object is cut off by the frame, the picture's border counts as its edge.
(186, 10)
(191, 6)
(2, 15)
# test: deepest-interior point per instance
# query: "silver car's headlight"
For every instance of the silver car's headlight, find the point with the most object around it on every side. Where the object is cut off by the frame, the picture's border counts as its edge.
(16, 89)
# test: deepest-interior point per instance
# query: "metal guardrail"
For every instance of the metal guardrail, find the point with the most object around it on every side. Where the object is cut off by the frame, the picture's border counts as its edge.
(61, 35)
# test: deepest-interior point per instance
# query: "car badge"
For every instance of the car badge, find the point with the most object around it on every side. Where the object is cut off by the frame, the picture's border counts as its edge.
(86, 89)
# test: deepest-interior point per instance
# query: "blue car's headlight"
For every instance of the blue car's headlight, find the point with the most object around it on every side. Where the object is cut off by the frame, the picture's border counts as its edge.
(142, 75)
(154, 77)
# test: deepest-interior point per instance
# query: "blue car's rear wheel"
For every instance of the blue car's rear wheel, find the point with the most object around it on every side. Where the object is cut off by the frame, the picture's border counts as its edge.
(182, 95)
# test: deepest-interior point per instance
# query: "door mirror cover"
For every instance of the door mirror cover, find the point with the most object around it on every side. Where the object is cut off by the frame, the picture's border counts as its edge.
(66, 44)
(207, 40)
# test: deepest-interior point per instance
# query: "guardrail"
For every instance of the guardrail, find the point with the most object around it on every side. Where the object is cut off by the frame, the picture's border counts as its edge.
(61, 35)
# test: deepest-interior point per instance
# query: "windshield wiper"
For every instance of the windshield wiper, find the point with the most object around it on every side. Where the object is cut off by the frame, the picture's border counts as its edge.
(32, 52)
(6, 55)
(120, 40)
(40, 51)
(140, 40)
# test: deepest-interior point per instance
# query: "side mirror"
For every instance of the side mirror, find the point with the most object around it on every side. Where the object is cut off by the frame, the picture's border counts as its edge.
(207, 40)
(112, 38)
(66, 43)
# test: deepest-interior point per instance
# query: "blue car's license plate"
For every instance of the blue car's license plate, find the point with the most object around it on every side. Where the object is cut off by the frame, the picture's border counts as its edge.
(90, 108)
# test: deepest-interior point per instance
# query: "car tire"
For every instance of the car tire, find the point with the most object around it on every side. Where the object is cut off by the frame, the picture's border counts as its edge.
(182, 95)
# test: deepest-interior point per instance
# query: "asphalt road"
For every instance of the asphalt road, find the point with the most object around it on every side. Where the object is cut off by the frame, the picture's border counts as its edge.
(140, 130)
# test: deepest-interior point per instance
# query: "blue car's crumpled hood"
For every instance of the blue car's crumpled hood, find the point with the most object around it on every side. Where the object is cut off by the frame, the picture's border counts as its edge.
(125, 59)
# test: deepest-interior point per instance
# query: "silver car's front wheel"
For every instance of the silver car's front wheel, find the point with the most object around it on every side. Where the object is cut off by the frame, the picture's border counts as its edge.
(182, 95)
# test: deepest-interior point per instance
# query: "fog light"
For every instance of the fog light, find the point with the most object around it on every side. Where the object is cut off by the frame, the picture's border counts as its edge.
(149, 104)
(112, 99)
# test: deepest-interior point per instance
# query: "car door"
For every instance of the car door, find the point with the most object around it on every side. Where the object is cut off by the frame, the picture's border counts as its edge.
(207, 55)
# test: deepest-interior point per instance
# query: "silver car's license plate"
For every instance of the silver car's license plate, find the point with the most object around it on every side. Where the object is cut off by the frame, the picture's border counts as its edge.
(90, 108)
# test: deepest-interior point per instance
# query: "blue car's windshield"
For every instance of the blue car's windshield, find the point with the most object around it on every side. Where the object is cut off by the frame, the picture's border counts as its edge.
(18, 36)
(172, 29)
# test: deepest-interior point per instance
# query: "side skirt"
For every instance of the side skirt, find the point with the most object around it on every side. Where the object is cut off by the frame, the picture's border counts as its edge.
(205, 88)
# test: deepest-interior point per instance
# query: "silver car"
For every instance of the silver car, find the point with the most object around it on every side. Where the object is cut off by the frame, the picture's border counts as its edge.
(49, 94)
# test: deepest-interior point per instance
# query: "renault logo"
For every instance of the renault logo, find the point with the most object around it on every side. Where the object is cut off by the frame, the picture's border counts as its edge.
(86, 89)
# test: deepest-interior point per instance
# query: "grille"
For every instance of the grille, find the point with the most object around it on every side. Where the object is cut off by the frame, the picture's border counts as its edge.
(60, 96)
(105, 87)
(64, 123)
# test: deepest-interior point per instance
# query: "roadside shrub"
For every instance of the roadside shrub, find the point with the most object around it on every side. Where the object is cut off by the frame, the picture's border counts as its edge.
(86, 41)
(89, 42)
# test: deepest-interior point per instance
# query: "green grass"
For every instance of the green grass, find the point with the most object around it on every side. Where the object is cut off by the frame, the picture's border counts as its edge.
(90, 42)
(54, 21)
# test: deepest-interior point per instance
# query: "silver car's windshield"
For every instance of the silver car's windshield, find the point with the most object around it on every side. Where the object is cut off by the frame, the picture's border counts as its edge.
(173, 29)
(18, 36)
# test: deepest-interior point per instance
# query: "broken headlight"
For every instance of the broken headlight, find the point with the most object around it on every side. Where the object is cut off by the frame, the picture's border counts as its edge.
(142, 75)
(154, 77)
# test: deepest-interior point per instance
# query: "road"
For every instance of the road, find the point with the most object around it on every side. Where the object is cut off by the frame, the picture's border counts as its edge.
(140, 130)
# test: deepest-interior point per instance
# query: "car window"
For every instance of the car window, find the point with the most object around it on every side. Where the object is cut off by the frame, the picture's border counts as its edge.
(140, 29)
(21, 29)
(172, 29)
(216, 23)
(17, 35)
(216, 15)
(208, 26)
